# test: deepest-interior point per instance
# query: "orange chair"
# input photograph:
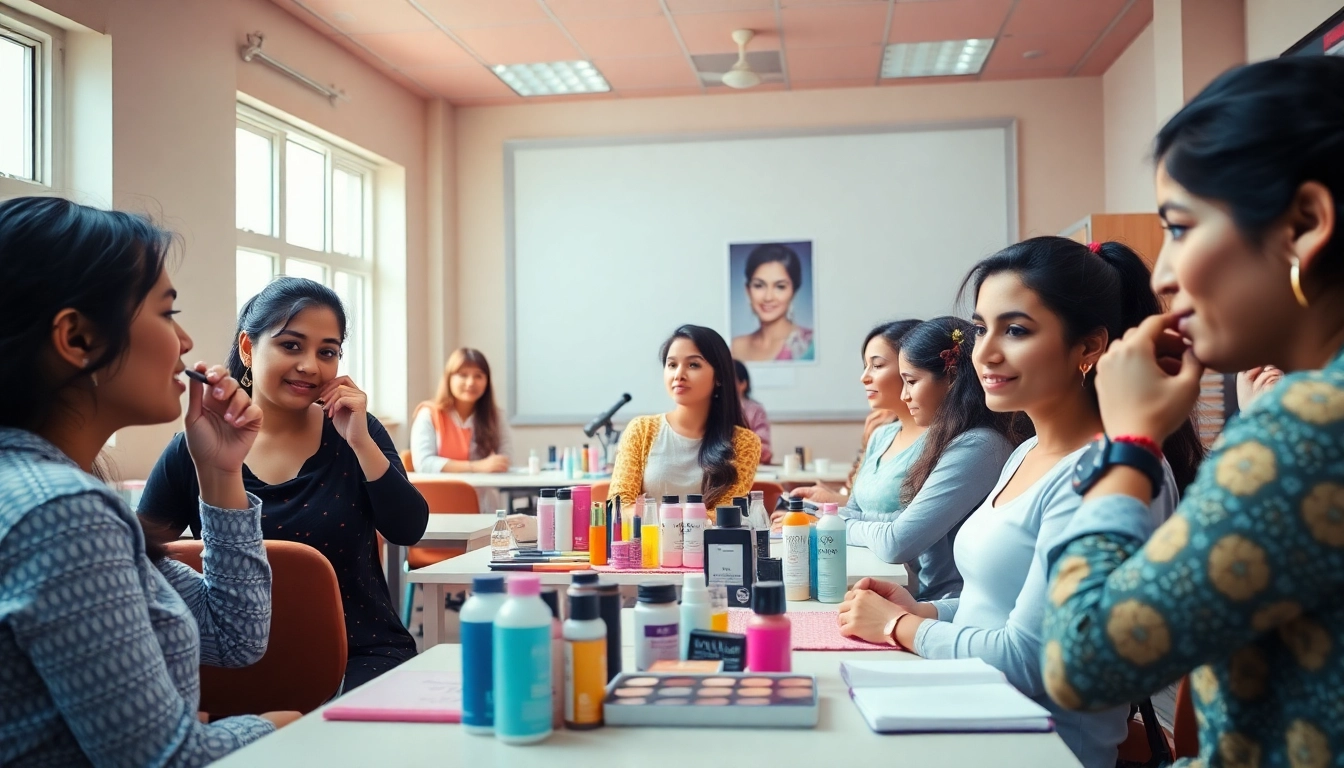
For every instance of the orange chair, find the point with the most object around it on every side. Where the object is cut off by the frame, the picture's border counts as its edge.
(1184, 729)
(444, 496)
(601, 489)
(772, 493)
(406, 461)
(306, 654)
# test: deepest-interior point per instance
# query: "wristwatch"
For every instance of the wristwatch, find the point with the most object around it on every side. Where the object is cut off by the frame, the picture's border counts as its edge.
(1105, 453)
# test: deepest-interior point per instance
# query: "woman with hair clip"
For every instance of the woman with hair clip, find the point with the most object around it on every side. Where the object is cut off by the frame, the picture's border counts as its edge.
(1241, 588)
(956, 463)
(324, 467)
(101, 634)
(702, 445)
(1045, 310)
(887, 432)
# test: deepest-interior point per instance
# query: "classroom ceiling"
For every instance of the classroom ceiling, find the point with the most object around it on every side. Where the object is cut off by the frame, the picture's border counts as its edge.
(651, 48)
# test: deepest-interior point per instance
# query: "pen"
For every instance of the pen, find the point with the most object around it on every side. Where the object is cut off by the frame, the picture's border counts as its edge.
(540, 567)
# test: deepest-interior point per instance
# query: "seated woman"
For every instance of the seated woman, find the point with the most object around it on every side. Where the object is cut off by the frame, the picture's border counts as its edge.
(461, 429)
(324, 467)
(947, 472)
(889, 428)
(753, 412)
(1045, 309)
(1241, 588)
(102, 635)
(702, 445)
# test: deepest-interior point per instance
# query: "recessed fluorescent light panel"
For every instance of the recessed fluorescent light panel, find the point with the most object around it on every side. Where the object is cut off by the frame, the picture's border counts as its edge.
(552, 78)
(949, 57)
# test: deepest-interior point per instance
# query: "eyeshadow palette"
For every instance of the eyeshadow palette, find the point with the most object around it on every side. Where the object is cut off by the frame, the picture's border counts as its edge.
(722, 700)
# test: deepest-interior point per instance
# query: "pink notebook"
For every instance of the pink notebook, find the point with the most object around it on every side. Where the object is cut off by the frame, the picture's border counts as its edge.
(403, 696)
(811, 631)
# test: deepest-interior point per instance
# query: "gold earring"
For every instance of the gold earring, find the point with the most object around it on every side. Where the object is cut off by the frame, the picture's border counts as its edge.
(246, 381)
(1085, 367)
(1295, 278)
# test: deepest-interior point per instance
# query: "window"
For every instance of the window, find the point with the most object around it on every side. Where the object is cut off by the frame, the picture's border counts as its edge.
(305, 209)
(28, 73)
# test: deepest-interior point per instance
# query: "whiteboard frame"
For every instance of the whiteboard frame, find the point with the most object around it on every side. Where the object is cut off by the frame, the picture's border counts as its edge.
(512, 146)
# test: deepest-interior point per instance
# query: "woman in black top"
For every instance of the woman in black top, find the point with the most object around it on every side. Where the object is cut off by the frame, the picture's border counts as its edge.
(325, 470)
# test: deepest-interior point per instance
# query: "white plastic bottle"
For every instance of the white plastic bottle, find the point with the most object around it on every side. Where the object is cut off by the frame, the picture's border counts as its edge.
(546, 519)
(522, 664)
(832, 556)
(478, 642)
(694, 518)
(669, 543)
(797, 530)
(696, 610)
(657, 623)
(564, 519)
(533, 462)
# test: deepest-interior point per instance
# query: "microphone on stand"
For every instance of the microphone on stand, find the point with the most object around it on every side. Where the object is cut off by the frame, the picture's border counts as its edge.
(604, 418)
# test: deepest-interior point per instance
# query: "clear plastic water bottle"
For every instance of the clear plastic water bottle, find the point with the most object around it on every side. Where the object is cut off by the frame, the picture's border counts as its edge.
(501, 538)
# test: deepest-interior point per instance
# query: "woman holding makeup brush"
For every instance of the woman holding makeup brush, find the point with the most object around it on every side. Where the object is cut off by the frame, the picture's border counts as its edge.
(325, 469)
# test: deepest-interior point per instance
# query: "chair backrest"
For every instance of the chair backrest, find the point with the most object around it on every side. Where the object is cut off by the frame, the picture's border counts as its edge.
(601, 489)
(772, 493)
(447, 496)
(406, 461)
(306, 653)
(1184, 729)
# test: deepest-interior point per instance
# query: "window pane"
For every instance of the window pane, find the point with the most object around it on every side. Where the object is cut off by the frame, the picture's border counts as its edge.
(17, 123)
(351, 290)
(305, 197)
(255, 270)
(347, 213)
(255, 205)
(300, 268)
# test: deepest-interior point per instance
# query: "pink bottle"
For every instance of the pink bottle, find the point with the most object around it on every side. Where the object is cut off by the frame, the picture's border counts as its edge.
(546, 520)
(583, 512)
(694, 518)
(769, 645)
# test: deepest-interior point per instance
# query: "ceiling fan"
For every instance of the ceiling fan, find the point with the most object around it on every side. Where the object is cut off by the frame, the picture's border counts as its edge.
(741, 75)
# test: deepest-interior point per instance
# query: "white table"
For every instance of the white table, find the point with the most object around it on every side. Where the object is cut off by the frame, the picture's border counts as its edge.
(456, 574)
(840, 735)
(517, 479)
(471, 531)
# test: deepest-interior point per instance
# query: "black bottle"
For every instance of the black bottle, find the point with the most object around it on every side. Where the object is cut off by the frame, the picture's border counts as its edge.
(729, 560)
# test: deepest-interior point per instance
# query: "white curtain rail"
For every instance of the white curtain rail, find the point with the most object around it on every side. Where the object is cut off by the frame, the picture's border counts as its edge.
(252, 52)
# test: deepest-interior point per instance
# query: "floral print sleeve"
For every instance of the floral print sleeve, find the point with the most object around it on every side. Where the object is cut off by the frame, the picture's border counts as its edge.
(1240, 588)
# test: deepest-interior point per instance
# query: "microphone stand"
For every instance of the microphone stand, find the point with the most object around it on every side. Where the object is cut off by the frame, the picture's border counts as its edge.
(610, 438)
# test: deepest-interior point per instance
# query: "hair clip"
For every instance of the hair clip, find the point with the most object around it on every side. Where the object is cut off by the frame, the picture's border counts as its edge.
(1094, 247)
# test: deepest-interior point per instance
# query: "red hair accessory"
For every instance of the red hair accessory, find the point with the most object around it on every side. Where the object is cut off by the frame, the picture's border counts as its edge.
(1094, 247)
(952, 356)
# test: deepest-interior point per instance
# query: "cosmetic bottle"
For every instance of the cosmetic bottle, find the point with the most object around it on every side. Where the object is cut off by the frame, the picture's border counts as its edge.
(693, 520)
(696, 611)
(769, 646)
(832, 565)
(797, 529)
(478, 630)
(552, 599)
(597, 535)
(522, 664)
(669, 543)
(585, 662)
(656, 625)
(581, 496)
(650, 533)
(546, 520)
(728, 558)
(564, 519)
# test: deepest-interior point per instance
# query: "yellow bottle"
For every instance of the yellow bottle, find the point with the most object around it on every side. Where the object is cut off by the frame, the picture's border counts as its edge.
(648, 529)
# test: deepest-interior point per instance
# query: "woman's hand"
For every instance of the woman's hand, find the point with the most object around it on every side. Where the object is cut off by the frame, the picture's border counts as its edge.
(818, 494)
(1148, 381)
(221, 422)
(887, 590)
(865, 614)
(492, 463)
(347, 406)
(1255, 382)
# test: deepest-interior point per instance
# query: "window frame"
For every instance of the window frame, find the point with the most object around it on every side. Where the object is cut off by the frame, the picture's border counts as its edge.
(48, 43)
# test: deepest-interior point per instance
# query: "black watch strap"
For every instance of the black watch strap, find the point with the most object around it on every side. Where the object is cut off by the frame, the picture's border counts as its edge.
(1105, 454)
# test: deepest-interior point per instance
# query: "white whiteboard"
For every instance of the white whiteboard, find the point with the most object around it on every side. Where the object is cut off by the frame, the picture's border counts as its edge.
(613, 243)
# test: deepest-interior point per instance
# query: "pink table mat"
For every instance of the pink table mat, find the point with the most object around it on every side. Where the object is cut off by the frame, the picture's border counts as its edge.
(614, 569)
(811, 631)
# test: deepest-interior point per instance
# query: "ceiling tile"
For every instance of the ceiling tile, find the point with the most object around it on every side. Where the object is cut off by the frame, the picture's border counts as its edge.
(414, 86)
(462, 82)
(834, 26)
(313, 20)
(370, 16)
(718, 6)
(855, 62)
(1024, 74)
(1118, 40)
(1052, 17)
(654, 93)
(410, 50)
(519, 44)
(605, 38)
(947, 20)
(1056, 51)
(481, 13)
(811, 85)
(649, 72)
(813, 3)
(713, 32)
(603, 9)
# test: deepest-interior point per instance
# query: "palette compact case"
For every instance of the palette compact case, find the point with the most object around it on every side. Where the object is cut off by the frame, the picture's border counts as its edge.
(720, 700)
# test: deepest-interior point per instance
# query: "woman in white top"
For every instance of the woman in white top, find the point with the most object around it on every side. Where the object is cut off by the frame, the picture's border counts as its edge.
(461, 429)
(1045, 310)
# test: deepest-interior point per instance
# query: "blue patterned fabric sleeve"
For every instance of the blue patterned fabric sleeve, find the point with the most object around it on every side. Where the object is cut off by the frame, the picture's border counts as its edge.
(82, 623)
(1255, 549)
(231, 601)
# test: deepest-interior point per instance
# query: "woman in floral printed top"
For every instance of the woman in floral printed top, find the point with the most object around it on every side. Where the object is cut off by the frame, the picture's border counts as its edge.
(1241, 588)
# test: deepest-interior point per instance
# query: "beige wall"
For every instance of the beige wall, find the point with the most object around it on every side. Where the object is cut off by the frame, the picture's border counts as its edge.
(1130, 122)
(1060, 165)
(1274, 25)
(175, 77)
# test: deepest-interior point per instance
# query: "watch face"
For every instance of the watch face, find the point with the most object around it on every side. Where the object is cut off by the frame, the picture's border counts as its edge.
(1089, 464)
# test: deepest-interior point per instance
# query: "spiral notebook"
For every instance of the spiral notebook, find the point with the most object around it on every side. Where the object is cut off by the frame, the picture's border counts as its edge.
(403, 696)
(940, 696)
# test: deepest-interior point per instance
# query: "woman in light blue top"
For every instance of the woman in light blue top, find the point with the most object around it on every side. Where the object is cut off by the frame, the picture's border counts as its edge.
(1045, 311)
(948, 470)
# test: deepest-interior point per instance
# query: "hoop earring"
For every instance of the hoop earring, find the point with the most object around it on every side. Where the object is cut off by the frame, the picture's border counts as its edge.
(246, 381)
(1295, 279)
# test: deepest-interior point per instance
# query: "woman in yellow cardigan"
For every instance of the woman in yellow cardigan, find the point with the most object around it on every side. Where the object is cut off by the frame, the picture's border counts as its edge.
(702, 445)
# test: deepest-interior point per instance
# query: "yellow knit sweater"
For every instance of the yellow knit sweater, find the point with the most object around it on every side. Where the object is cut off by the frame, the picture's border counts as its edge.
(627, 477)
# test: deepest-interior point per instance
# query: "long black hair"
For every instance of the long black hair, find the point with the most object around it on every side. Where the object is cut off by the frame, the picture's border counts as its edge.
(725, 410)
(274, 307)
(891, 332)
(743, 376)
(942, 347)
(1087, 290)
(1256, 134)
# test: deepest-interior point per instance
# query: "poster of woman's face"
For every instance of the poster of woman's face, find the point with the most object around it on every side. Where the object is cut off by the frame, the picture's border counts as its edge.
(772, 312)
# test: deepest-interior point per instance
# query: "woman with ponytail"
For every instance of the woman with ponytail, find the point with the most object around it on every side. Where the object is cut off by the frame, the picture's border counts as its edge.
(954, 464)
(1045, 311)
